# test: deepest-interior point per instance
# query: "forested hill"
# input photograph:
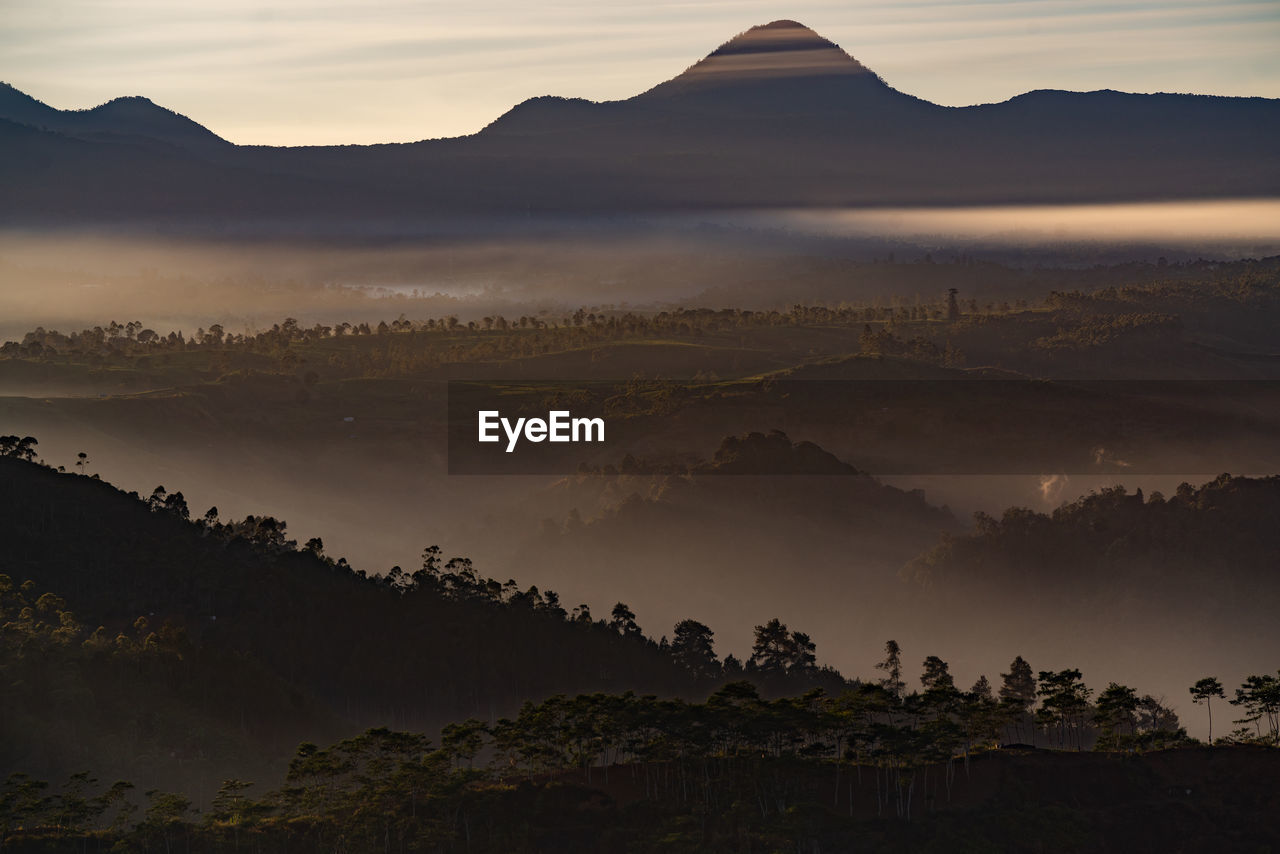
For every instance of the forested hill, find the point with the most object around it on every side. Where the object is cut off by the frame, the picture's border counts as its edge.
(409, 649)
(402, 648)
(1212, 545)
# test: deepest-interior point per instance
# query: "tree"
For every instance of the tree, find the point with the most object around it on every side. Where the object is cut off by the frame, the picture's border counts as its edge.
(980, 715)
(1203, 692)
(22, 448)
(117, 796)
(1018, 691)
(940, 694)
(166, 812)
(803, 652)
(693, 648)
(464, 740)
(230, 807)
(1260, 697)
(769, 653)
(623, 621)
(74, 809)
(892, 668)
(1064, 701)
(1114, 714)
(937, 675)
(778, 650)
(1158, 725)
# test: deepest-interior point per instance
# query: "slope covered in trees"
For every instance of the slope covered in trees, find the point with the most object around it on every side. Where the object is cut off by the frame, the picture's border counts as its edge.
(889, 769)
(223, 643)
(115, 598)
(1217, 539)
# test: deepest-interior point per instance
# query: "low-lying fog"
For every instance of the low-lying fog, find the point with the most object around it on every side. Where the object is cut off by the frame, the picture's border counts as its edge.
(380, 512)
(186, 279)
(1236, 228)
(379, 508)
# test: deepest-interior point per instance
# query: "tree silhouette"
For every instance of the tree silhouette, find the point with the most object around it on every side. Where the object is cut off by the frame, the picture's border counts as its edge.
(892, 669)
(1018, 692)
(1259, 696)
(23, 448)
(692, 646)
(936, 675)
(1203, 692)
(1115, 716)
(778, 651)
(1064, 699)
(623, 621)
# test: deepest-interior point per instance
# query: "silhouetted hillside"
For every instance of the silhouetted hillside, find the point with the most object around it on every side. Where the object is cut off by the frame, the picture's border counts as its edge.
(777, 117)
(764, 520)
(1211, 549)
(398, 649)
(236, 610)
(128, 120)
(139, 700)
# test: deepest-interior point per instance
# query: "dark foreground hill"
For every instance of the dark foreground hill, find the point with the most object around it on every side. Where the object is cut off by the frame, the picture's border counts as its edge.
(225, 640)
(776, 117)
(378, 793)
(223, 644)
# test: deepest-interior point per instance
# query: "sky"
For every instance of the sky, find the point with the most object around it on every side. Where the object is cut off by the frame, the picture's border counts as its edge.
(286, 72)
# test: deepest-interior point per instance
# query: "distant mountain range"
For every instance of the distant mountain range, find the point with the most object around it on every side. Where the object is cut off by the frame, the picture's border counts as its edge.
(776, 117)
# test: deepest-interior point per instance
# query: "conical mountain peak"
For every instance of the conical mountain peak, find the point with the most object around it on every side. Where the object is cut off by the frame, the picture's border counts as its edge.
(779, 53)
(775, 37)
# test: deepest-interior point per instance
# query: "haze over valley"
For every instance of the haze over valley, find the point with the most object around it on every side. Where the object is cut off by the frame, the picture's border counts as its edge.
(989, 381)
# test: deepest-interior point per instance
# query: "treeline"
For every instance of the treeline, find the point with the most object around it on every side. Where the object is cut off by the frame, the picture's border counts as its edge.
(404, 347)
(134, 339)
(1116, 535)
(1139, 327)
(1232, 299)
(1248, 284)
(735, 770)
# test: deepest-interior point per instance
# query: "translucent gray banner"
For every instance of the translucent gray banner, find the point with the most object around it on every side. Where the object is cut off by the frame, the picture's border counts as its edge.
(883, 427)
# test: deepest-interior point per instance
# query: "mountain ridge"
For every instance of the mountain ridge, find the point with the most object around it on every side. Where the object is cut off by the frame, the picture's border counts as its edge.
(778, 116)
(122, 117)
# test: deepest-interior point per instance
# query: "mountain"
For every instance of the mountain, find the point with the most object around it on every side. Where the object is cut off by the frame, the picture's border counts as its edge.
(131, 120)
(776, 117)
(771, 71)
